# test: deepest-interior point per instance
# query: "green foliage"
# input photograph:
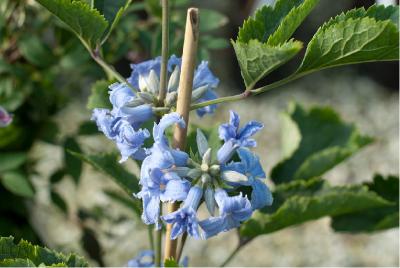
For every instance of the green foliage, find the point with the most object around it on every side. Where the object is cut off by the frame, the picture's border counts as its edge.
(372, 220)
(99, 97)
(317, 140)
(17, 183)
(10, 161)
(72, 165)
(354, 37)
(26, 254)
(211, 20)
(85, 22)
(35, 51)
(108, 164)
(262, 44)
(257, 59)
(275, 25)
(171, 262)
(300, 201)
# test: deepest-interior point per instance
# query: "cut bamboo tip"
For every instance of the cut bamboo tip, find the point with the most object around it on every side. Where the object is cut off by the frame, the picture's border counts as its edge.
(183, 105)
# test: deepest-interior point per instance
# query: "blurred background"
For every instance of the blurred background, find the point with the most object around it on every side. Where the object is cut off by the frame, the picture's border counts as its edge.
(45, 80)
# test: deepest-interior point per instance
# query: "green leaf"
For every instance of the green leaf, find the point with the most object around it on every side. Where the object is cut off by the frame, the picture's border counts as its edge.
(171, 262)
(72, 165)
(129, 202)
(112, 11)
(108, 164)
(355, 37)
(301, 201)
(17, 183)
(17, 262)
(88, 128)
(85, 22)
(35, 51)
(211, 20)
(10, 161)
(57, 176)
(211, 42)
(58, 201)
(35, 254)
(99, 97)
(373, 219)
(275, 25)
(325, 141)
(257, 59)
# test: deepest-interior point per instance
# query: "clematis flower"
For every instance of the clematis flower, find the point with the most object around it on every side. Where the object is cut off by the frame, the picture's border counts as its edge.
(233, 211)
(185, 219)
(160, 186)
(235, 137)
(145, 77)
(144, 259)
(250, 167)
(5, 117)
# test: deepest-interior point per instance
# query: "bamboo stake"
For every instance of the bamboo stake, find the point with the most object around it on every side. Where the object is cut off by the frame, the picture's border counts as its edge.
(183, 104)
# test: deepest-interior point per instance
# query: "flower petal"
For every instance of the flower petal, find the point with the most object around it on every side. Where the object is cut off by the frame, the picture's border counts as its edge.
(175, 190)
(250, 129)
(260, 196)
(211, 226)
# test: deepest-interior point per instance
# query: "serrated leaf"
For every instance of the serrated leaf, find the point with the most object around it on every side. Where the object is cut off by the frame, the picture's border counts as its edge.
(256, 59)
(17, 262)
(36, 254)
(108, 164)
(373, 219)
(325, 141)
(10, 161)
(99, 97)
(84, 21)
(17, 183)
(275, 25)
(112, 11)
(311, 200)
(72, 165)
(354, 37)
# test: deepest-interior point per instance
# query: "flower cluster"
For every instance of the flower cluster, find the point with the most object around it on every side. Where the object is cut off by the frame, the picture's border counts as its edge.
(130, 109)
(5, 117)
(170, 175)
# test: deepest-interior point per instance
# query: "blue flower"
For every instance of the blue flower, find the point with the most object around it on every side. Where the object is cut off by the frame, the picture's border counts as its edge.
(203, 77)
(235, 137)
(160, 186)
(185, 219)
(129, 139)
(233, 211)
(250, 166)
(5, 117)
(144, 259)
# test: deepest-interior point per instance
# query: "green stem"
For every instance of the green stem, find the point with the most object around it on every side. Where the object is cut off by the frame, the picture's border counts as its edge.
(227, 260)
(108, 69)
(164, 52)
(151, 237)
(157, 252)
(247, 93)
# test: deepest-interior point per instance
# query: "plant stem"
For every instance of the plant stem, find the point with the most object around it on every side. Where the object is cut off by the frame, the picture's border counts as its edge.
(247, 93)
(164, 52)
(183, 104)
(227, 260)
(158, 245)
(151, 237)
(181, 245)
